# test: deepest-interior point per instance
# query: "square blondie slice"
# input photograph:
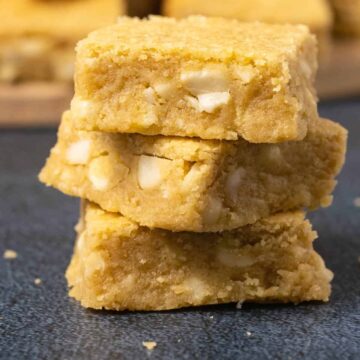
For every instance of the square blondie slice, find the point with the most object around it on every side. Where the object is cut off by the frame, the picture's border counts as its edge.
(316, 14)
(185, 184)
(198, 77)
(120, 265)
(38, 37)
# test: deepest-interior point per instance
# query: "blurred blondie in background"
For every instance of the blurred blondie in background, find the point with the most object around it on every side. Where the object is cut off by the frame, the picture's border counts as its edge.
(38, 36)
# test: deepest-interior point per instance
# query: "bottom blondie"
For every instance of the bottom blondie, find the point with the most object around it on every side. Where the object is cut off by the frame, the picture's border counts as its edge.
(120, 265)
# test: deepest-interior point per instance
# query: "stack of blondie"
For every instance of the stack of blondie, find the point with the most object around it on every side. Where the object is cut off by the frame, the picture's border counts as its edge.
(195, 144)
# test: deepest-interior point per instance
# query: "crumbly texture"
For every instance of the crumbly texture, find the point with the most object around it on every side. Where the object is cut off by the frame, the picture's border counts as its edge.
(347, 17)
(198, 77)
(119, 265)
(38, 37)
(185, 184)
(316, 14)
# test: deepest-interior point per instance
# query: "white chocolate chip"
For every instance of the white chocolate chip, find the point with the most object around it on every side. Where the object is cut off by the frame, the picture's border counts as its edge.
(94, 263)
(212, 101)
(82, 108)
(180, 123)
(78, 152)
(192, 178)
(208, 102)
(233, 182)
(96, 174)
(213, 211)
(150, 173)
(149, 95)
(245, 73)
(128, 281)
(197, 287)
(232, 259)
(205, 81)
(165, 89)
(150, 118)
(193, 102)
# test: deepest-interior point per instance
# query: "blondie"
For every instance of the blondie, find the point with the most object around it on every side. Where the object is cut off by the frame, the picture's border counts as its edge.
(316, 14)
(38, 37)
(120, 265)
(205, 77)
(185, 184)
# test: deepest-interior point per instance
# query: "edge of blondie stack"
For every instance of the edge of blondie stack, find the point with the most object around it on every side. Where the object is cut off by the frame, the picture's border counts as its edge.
(120, 265)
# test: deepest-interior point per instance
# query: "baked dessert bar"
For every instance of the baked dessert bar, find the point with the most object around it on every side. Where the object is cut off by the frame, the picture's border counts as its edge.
(205, 77)
(185, 184)
(38, 37)
(316, 14)
(347, 16)
(120, 265)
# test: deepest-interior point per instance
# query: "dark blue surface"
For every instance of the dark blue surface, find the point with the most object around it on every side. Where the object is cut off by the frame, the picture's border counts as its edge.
(41, 322)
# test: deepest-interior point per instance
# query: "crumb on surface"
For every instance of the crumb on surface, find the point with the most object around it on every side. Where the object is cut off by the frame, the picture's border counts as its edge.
(37, 281)
(239, 305)
(150, 345)
(357, 202)
(248, 333)
(10, 254)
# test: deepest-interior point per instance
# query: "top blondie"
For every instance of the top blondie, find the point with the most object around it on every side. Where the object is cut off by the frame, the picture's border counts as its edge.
(198, 77)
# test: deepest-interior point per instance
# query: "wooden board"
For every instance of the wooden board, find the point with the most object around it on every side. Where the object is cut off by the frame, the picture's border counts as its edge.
(340, 76)
(33, 104)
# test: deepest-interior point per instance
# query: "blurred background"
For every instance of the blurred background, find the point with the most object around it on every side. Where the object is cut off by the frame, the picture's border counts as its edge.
(37, 40)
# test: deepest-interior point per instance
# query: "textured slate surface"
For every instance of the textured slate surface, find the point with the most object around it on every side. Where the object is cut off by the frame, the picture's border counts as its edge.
(41, 322)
